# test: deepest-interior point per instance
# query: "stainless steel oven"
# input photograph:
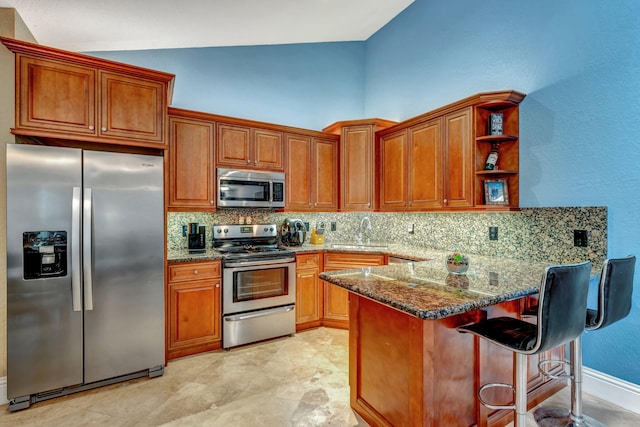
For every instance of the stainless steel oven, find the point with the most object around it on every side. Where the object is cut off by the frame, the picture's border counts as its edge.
(258, 284)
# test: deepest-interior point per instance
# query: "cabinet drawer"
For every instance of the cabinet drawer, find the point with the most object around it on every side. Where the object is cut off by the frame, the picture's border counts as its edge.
(194, 271)
(307, 261)
(350, 260)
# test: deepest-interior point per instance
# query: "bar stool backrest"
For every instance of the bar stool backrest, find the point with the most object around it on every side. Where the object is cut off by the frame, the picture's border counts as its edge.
(614, 293)
(562, 305)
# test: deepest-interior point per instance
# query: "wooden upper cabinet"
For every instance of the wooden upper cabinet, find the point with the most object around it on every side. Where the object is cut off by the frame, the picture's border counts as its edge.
(56, 96)
(436, 160)
(191, 171)
(425, 165)
(268, 150)
(325, 168)
(298, 174)
(459, 163)
(65, 95)
(311, 173)
(393, 171)
(233, 146)
(249, 148)
(358, 185)
(131, 108)
(356, 169)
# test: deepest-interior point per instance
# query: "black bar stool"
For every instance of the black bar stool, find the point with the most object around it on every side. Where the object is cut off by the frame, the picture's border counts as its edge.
(561, 307)
(614, 303)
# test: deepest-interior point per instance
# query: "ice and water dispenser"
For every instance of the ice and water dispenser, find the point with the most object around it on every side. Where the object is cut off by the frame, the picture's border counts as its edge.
(45, 254)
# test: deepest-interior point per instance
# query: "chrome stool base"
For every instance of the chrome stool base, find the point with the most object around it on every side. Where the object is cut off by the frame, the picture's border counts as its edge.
(561, 417)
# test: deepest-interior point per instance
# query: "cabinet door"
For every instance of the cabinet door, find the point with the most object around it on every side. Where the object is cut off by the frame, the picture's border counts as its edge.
(336, 299)
(191, 171)
(425, 165)
(194, 314)
(336, 303)
(268, 150)
(56, 96)
(232, 146)
(459, 164)
(298, 174)
(393, 171)
(356, 169)
(132, 108)
(308, 296)
(325, 179)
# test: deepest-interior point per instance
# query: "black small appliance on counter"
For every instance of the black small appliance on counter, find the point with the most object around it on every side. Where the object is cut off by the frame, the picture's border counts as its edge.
(293, 232)
(196, 238)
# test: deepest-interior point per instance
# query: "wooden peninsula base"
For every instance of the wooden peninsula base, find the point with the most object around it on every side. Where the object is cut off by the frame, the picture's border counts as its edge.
(405, 371)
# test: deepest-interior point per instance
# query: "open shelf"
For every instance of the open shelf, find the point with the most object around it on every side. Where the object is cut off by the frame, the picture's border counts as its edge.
(496, 138)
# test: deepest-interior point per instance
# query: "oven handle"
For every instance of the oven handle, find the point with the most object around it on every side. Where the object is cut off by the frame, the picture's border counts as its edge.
(263, 262)
(261, 313)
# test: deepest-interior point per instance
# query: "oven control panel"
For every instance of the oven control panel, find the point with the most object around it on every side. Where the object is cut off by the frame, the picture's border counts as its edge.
(236, 231)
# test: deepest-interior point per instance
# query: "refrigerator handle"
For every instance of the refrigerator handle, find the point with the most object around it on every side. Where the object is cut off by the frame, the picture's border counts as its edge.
(76, 276)
(87, 259)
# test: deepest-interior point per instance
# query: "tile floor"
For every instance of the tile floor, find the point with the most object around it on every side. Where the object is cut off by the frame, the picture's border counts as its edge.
(293, 381)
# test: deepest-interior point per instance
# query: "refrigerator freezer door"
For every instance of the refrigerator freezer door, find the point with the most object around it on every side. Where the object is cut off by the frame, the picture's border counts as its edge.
(124, 325)
(44, 333)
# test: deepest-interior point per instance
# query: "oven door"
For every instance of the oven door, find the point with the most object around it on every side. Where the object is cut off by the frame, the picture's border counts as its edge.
(253, 285)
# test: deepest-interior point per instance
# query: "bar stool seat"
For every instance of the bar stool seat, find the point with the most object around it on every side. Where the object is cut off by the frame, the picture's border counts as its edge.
(560, 319)
(614, 303)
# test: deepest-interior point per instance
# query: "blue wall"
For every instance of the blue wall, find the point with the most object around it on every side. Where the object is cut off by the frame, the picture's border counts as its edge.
(578, 62)
(303, 85)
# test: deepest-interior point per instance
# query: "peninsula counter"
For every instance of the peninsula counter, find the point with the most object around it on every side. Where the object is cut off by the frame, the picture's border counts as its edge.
(408, 366)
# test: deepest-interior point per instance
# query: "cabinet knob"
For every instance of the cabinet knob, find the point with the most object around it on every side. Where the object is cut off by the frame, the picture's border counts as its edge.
(248, 161)
(91, 127)
(217, 285)
(212, 202)
(195, 271)
(369, 204)
(103, 129)
(445, 201)
(255, 162)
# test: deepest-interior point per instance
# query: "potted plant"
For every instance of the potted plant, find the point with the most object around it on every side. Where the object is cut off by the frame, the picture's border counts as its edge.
(457, 263)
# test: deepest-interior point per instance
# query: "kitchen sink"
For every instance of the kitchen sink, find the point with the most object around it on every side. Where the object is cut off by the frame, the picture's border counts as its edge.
(356, 246)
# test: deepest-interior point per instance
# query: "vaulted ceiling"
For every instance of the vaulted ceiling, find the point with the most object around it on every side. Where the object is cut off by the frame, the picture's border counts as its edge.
(99, 25)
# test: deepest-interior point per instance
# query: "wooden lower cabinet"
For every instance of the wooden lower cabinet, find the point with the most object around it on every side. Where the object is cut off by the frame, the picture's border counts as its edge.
(308, 291)
(436, 371)
(194, 308)
(336, 299)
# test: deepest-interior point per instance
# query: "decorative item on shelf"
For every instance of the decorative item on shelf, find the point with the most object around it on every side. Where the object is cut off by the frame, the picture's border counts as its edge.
(458, 281)
(494, 124)
(457, 263)
(492, 158)
(496, 192)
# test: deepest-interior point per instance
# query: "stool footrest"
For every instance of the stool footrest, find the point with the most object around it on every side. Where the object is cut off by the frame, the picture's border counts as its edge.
(491, 405)
(546, 373)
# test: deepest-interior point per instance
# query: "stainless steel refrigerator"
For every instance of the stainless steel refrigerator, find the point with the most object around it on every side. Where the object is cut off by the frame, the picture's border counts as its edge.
(85, 270)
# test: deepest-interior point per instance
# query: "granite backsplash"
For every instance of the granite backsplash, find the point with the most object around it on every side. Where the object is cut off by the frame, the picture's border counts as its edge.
(540, 234)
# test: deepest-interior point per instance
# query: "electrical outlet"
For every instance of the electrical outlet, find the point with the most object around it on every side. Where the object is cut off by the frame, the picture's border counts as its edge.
(580, 238)
(493, 233)
(411, 228)
(184, 231)
(333, 226)
(306, 225)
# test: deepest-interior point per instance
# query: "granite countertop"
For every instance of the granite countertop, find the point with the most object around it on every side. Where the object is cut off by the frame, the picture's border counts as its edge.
(183, 255)
(428, 291)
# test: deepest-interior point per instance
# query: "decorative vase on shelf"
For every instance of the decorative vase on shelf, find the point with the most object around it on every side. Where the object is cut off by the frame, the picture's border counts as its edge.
(457, 263)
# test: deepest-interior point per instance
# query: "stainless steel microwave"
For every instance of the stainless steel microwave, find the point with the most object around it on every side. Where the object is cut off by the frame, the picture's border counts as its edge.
(250, 189)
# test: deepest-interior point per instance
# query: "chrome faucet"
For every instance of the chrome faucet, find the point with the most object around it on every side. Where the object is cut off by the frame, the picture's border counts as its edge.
(364, 232)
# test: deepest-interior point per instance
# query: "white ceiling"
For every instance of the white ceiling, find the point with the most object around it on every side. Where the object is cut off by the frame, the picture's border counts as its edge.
(101, 25)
